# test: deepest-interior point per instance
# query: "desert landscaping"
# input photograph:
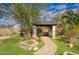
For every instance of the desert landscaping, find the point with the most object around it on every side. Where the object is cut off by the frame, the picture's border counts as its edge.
(44, 29)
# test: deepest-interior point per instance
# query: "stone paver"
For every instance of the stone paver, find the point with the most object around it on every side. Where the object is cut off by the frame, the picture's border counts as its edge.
(49, 47)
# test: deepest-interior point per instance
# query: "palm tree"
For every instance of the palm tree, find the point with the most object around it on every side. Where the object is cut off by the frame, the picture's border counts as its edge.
(68, 19)
(25, 15)
(71, 19)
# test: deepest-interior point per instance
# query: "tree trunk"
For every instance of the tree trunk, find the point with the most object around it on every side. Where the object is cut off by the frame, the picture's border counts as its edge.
(21, 32)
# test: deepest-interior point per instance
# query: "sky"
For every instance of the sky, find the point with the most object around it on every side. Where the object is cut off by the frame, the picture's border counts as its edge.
(51, 8)
(61, 7)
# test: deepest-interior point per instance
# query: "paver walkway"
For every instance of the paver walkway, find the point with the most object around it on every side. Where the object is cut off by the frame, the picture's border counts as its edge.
(49, 47)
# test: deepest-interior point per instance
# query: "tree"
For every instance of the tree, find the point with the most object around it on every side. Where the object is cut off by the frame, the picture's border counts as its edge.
(71, 23)
(25, 15)
(71, 17)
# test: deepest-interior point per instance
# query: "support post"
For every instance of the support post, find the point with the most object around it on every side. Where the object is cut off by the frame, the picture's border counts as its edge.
(34, 31)
(53, 31)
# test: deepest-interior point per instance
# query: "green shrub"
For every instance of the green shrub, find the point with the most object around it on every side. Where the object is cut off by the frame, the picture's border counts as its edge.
(29, 41)
(39, 39)
(76, 43)
(62, 47)
(39, 31)
(41, 43)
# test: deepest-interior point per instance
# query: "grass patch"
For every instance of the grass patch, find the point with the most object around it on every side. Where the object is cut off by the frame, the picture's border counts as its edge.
(13, 50)
(11, 47)
(62, 47)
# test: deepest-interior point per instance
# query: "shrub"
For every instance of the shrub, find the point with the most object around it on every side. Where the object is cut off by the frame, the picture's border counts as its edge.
(29, 41)
(39, 31)
(41, 43)
(76, 43)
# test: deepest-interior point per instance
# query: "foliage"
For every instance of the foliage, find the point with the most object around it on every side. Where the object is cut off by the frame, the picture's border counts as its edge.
(70, 18)
(62, 47)
(76, 43)
(39, 31)
(29, 40)
(41, 43)
(70, 22)
(25, 15)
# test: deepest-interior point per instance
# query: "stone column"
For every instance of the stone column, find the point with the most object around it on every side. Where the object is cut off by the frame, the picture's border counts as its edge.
(53, 31)
(34, 31)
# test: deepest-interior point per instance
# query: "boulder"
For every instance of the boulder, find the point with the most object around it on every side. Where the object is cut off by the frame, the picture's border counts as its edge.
(69, 53)
(35, 48)
(70, 45)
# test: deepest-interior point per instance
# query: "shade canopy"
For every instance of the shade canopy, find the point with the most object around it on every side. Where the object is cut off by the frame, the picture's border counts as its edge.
(44, 23)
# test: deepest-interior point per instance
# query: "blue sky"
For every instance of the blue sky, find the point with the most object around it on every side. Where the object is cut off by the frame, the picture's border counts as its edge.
(60, 7)
(50, 8)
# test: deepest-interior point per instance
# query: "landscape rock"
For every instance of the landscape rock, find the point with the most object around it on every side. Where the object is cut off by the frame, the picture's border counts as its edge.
(25, 45)
(70, 45)
(69, 53)
(35, 48)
